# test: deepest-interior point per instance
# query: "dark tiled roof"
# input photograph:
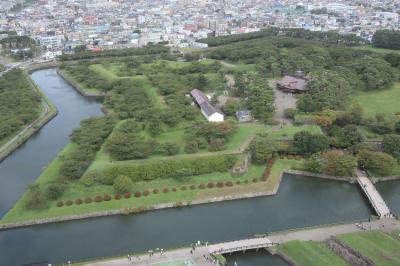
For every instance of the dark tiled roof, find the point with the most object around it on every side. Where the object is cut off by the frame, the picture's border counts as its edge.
(203, 102)
(294, 83)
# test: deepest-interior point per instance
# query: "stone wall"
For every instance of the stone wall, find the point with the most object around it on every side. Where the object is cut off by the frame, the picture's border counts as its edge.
(309, 174)
(350, 255)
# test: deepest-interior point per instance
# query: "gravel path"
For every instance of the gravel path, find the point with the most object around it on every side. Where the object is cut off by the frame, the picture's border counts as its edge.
(282, 101)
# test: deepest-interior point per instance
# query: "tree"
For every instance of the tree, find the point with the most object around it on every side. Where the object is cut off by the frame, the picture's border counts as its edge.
(191, 147)
(305, 143)
(35, 199)
(333, 163)
(216, 145)
(55, 190)
(389, 39)
(171, 148)
(378, 162)
(122, 184)
(391, 145)
(327, 90)
(201, 81)
(262, 149)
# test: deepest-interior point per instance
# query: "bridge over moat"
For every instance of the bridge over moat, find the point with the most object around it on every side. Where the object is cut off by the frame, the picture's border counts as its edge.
(373, 195)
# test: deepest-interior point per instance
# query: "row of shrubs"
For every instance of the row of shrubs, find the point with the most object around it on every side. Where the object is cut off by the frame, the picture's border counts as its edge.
(268, 168)
(145, 193)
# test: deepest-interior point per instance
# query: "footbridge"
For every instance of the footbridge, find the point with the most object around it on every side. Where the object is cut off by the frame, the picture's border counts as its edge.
(373, 195)
(240, 245)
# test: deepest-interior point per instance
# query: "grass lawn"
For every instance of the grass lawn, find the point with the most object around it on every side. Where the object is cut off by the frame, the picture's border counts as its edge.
(104, 72)
(383, 101)
(368, 134)
(310, 253)
(152, 92)
(376, 50)
(381, 248)
(287, 132)
(76, 190)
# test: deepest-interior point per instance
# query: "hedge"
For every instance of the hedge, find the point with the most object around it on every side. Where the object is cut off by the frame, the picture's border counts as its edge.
(172, 168)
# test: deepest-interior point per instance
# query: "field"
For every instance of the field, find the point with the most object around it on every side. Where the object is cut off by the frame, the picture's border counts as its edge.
(384, 101)
(381, 248)
(77, 190)
(287, 132)
(310, 253)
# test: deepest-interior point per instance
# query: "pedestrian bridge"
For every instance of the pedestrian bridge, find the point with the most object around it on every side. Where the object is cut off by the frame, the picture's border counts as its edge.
(373, 195)
(240, 245)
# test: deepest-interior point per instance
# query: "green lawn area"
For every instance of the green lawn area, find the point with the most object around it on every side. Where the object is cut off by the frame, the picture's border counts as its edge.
(245, 67)
(310, 253)
(152, 92)
(368, 134)
(376, 50)
(383, 101)
(287, 132)
(381, 248)
(104, 72)
(243, 133)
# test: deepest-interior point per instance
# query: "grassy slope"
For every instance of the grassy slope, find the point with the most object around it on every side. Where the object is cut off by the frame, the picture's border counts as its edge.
(287, 132)
(381, 248)
(76, 190)
(310, 253)
(376, 50)
(384, 101)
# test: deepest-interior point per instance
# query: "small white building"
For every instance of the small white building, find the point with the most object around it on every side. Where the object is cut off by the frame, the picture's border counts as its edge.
(210, 112)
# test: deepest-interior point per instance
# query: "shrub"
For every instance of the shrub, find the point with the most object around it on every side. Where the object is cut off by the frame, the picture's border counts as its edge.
(246, 181)
(165, 190)
(138, 194)
(55, 190)
(127, 195)
(146, 193)
(238, 182)
(255, 180)
(35, 198)
(220, 184)
(78, 201)
(87, 180)
(192, 187)
(210, 185)
(183, 188)
(117, 196)
(104, 178)
(88, 200)
(122, 184)
(229, 184)
(60, 204)
(68, 202)
(174, 189)
(155, 191)
(98, 199)
(202, 186)
(107, 197)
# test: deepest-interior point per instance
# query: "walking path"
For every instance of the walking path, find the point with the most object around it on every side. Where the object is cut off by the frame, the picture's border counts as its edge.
(199, 257)
(373, 195)
(283, 101)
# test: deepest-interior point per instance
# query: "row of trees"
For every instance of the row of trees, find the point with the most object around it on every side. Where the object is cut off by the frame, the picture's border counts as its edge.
(328, 37)
(167, 168)
(147, 50)
(19, 104)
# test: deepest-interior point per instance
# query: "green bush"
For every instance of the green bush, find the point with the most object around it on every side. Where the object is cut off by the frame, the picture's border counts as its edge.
(87, 180)
(55, 191)
(35, 199)
(122, 184)
(171, 168)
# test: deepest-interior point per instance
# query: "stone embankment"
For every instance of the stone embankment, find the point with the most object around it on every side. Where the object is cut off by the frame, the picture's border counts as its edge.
(351, 256)
(310, 174)
(77, 86)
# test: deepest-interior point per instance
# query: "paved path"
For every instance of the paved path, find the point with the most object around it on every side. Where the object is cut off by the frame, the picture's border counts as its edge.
(325, 232)
(373, 195)
(282, 101)
(180, 255)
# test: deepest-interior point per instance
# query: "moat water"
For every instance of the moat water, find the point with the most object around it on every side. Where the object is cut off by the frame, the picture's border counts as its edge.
(300, 202)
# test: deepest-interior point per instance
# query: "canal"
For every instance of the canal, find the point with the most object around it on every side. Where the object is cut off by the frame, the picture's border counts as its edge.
(300, 202)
